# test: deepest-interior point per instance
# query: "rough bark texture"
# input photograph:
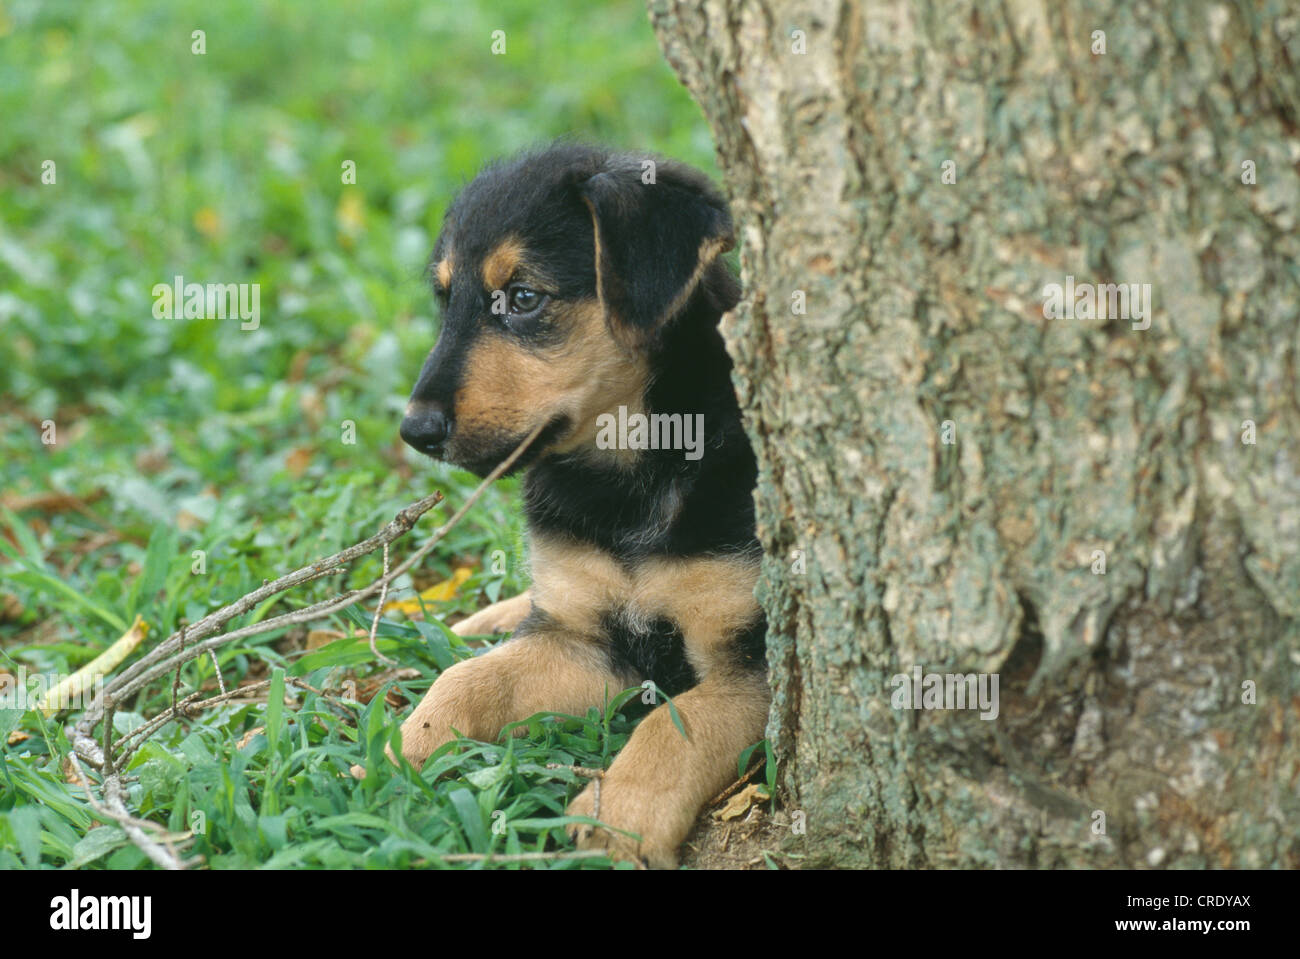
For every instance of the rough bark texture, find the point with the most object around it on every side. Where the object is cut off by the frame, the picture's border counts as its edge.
(1121, 692)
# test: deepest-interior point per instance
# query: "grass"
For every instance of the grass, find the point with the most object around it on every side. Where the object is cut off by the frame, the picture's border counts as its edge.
(165, 467)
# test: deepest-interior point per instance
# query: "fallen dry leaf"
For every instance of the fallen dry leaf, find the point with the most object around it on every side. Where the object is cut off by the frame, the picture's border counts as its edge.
(10, 607)
(298, 460)
(152, 461)
(366, 689)
(52, 502)
(739, 804)
(70, 773)
(298, 366)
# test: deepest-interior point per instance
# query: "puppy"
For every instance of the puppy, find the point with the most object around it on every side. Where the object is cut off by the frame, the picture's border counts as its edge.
(580, 291)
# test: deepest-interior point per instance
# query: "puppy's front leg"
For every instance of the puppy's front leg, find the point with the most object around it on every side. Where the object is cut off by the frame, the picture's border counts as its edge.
(545, 671)
(658, 783)
(500, 617)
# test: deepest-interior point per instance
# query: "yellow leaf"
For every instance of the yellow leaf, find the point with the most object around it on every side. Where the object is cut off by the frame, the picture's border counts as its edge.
(208, 222)
(437, 593)
(351, 213)
(297, 460)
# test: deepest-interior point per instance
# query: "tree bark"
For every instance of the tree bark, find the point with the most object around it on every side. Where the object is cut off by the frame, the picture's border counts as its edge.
(942, 464)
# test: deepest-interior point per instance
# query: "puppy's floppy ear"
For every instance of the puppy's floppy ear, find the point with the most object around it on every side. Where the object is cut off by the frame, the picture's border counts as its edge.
(654, 240)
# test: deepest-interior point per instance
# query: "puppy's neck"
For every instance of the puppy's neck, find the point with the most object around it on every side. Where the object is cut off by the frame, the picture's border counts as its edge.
(678, 403)
(637, 502)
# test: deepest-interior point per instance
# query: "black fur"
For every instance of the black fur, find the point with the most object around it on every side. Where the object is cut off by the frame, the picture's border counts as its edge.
(650, 234)
(751, 645)
(654, 651)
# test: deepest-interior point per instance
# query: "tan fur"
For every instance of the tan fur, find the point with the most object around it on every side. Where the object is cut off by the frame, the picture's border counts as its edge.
(444, 270)
(539, 672)
(600, 255)
(709, 251)
(509, 389)
(500, 265)
(710, 598)
(504, 388)
(500, 617)
(659, 780)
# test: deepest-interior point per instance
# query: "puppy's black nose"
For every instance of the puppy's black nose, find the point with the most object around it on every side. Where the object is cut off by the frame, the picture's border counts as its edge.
(426, 427)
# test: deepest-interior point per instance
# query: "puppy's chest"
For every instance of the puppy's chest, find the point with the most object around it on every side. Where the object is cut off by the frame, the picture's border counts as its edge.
(650, 608)
(613, 509)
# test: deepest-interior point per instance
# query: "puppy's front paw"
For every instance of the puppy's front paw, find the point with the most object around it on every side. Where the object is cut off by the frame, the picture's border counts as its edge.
(623, 807)
(502, 617)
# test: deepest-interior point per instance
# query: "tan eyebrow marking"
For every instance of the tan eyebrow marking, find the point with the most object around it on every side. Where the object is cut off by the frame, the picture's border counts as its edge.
(501, 263)
(443, 271)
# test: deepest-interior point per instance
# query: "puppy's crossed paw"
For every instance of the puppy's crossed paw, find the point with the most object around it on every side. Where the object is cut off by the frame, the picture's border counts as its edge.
(621, 811)
(502, 617)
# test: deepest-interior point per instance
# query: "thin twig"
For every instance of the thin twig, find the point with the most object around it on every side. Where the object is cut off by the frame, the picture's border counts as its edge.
(216, 667)
(176, 680)
(84, 782)
(379, 608)
(147, 729)
(595, 775)
(109, 706)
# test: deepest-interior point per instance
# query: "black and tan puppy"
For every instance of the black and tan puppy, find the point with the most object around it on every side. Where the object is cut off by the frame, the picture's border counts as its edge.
(581, 289)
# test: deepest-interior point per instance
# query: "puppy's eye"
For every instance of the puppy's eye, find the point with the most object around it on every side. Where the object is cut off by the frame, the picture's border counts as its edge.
(525, 300)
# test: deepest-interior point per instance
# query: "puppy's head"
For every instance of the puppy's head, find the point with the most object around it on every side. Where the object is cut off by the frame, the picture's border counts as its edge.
(556, 272)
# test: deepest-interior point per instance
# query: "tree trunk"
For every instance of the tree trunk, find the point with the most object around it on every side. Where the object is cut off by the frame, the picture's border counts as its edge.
(1103, 515)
